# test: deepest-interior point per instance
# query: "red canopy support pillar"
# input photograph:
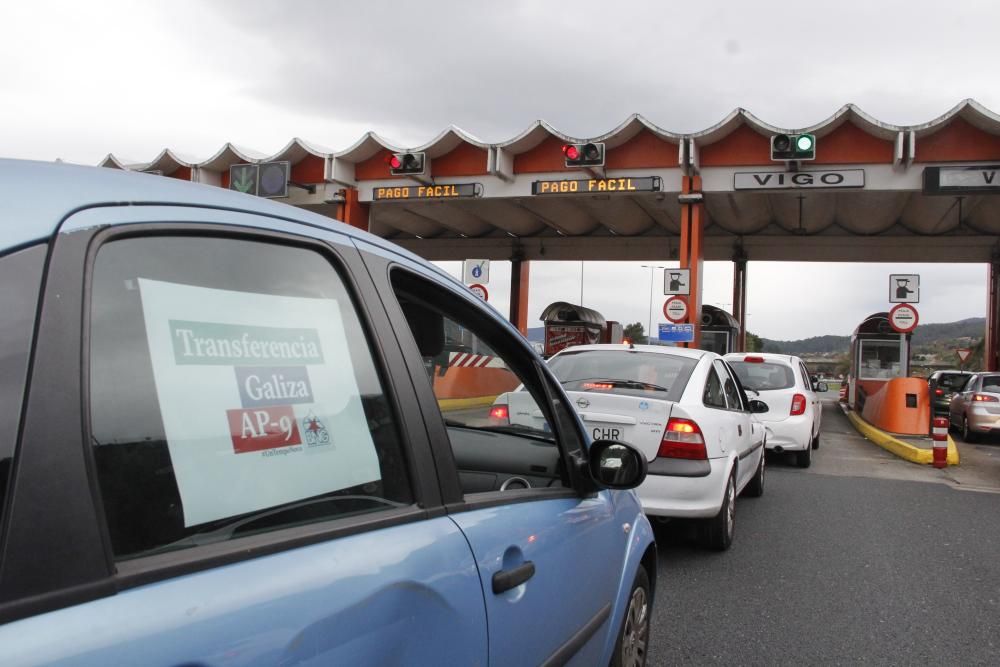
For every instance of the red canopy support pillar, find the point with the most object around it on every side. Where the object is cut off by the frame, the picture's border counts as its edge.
(692, 250)
(519, 279)
(352, 211)
(740, 297)
(992, 347)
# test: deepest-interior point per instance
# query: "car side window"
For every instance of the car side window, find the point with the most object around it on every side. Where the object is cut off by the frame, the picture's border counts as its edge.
(20, 277)
(729, 386)
(806, 380)
(714, 396)
(232, 392)
(491, 403)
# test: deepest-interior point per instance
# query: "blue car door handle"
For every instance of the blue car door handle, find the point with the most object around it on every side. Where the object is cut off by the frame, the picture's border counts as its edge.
(504, 580)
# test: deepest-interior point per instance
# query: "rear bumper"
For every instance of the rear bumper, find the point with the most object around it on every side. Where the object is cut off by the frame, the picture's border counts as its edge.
(792, 434)
(983, 422)
(685, 497)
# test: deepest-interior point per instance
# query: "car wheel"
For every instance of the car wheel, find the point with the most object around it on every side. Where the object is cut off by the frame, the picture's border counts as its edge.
(967, 434)
(815, 443)
(719, 529)
(755, 487)
(633, 638)
(803, 459)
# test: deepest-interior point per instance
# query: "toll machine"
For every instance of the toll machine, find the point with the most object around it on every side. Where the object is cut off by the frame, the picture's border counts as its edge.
(719, 330)
(880, 388)
(567, 325)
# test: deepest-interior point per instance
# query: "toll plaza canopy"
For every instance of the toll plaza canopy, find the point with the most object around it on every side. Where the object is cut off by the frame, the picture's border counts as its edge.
(874, 192)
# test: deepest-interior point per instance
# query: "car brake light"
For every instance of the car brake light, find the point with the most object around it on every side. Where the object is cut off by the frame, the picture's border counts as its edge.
(983, 398)
(798, 405)
(500, 413)
(754, 360)
(939, 392)
(597, 385)
(682, 439)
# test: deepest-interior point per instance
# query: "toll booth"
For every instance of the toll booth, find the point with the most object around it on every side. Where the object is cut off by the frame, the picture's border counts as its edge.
(719, 330)
(880, 388)
(567, 325)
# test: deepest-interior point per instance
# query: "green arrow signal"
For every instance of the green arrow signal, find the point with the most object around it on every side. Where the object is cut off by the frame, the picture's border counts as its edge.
(244, 182)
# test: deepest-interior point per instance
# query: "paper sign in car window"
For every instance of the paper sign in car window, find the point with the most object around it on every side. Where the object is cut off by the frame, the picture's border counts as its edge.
(259, 402)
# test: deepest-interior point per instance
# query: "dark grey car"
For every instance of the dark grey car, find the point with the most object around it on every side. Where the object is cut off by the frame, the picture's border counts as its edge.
(942, 385)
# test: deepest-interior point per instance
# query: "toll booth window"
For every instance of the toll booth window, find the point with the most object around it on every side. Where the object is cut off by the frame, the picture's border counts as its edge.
(880, 360)
(715, 341)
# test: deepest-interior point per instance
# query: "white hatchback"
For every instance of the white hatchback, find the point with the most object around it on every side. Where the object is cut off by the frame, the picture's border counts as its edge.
(795, 412)
(684, 409)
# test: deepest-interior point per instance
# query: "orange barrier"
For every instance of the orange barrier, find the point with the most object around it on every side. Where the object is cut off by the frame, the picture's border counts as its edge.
(901, 405)
(462, 382)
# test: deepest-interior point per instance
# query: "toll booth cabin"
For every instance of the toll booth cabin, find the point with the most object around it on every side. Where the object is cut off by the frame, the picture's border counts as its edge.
(719, 330)
(567, 325)
(880, 387)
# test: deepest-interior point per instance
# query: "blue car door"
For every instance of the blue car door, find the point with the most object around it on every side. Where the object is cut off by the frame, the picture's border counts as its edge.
(549, 553)
(242, 477)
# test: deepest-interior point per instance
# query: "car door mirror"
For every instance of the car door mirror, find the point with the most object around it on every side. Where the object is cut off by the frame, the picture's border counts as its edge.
(757, 406)
(616, 465)
(822, 386)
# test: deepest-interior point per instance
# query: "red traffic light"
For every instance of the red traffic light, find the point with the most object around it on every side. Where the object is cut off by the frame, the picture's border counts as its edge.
(395, 162)
(571, 152)
(584, 155)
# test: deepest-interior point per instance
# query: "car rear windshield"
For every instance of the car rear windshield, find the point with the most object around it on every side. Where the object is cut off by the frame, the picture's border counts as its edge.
(953, 381)
(991, 383)
(627, 372)
(764, 376)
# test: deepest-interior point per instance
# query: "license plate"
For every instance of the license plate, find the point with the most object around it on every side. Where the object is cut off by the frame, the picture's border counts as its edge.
(607, 434)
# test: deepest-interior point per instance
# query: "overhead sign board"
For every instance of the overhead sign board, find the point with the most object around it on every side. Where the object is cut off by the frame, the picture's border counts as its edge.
(267, 179)
(676, 333)
(675, 309)
(958, 180)
(904, 288)
(904, 318)
(449, 191)
(677, 281)
(799, 180)
(476, 271)
(597, 185)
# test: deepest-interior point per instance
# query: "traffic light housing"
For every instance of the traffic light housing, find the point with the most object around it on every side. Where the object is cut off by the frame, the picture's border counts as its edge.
(406, 164)
(584, 155)
(793, 147)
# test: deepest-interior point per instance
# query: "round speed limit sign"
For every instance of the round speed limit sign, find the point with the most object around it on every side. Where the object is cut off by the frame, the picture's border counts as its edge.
(480, 291)
(675, 309)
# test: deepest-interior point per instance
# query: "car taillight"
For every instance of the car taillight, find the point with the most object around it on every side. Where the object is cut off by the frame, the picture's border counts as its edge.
(798, 405)
(500, 413)
(753, 360)
(682, 439)
(983, 398)
(939, 392)
(597, 385)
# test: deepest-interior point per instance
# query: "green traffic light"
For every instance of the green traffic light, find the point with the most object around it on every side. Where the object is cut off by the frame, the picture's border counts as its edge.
(804, 142)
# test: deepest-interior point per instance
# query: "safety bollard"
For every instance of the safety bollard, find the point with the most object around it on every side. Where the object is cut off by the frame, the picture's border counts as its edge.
(939, 433)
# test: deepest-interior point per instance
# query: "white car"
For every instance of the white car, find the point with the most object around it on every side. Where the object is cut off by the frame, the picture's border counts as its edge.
(686, 411)
(795, 412)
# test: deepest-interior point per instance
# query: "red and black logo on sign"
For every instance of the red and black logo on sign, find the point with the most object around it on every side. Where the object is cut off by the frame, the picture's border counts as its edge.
(256, 429)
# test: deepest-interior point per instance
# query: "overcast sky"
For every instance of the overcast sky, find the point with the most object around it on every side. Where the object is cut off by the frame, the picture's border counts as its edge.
(80, 80)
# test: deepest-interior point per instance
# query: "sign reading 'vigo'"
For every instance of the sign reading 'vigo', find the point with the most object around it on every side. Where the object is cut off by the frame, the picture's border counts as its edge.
(951, 180)
(597, 185)
(792, 180)
(450, 191)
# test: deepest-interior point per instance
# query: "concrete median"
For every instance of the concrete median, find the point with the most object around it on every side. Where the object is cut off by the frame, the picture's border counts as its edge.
(896, 445)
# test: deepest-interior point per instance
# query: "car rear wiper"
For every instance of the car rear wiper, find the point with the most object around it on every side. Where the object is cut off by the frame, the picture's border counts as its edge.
(513, 429)
(226, 531)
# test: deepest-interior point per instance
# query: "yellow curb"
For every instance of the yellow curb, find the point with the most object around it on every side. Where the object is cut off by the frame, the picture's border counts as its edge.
(452, 404)
(901, 449)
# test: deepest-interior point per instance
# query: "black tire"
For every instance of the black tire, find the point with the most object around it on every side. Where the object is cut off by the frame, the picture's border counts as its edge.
(968, 435)
(803, 459)
(718, 531)
(815, 443)
(755, 487)
(633, 635)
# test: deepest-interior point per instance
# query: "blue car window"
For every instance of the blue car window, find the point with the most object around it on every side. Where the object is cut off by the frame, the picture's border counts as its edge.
(20, 276)
(232, 392)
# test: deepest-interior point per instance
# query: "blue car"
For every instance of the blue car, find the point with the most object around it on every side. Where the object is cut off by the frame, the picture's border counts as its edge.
(233, 432)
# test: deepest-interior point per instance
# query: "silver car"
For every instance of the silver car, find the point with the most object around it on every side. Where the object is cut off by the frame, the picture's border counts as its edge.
(976, 409)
